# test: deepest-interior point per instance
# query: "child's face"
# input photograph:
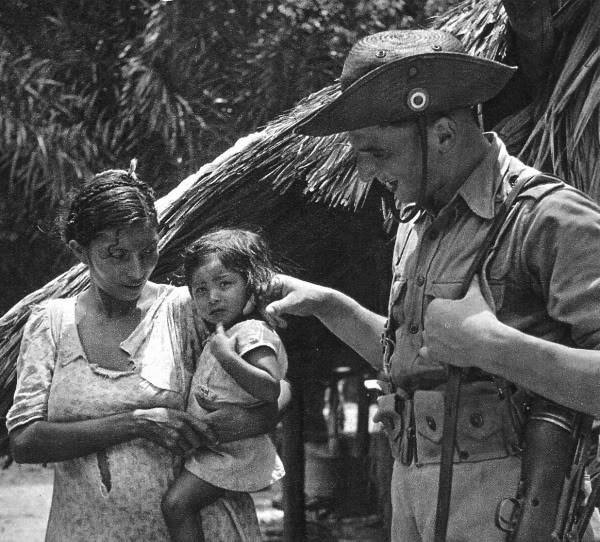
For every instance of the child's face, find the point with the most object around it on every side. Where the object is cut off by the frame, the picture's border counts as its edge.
(219, 294)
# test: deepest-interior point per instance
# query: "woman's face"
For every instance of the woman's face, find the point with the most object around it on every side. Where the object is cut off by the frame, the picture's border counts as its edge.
(219, 294)
(121, 260)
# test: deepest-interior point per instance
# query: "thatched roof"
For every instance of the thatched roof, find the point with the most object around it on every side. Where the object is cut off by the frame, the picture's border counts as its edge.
(556, 128)
(303, 191)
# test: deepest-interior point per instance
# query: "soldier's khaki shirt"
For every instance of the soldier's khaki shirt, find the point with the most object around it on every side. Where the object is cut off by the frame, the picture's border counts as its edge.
(544, 278)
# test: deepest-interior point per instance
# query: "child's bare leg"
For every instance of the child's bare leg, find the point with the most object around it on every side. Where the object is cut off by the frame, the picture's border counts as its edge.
(181, 506)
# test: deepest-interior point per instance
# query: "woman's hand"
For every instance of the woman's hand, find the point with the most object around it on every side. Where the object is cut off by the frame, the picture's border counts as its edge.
(234, 422)
(179, 432)
(463, 332)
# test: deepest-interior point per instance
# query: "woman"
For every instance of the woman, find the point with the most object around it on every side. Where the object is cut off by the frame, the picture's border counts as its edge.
(103, 379)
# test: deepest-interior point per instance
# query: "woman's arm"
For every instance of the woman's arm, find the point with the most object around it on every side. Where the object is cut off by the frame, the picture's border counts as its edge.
(33, 439)
(44, 442)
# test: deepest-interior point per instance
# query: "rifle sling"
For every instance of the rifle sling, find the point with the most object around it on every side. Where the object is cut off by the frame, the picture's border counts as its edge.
(452, 395)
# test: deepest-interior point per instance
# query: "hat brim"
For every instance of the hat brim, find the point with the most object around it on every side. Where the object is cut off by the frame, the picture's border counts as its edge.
(451, 81)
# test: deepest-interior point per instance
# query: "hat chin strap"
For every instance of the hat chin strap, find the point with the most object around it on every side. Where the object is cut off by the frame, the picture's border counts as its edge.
(413, 209)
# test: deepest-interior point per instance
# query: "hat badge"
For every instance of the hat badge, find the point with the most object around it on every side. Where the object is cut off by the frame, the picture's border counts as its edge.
(418, 100)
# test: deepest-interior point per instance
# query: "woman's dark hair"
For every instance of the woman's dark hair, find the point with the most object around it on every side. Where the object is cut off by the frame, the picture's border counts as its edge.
(242, 251)
(112, 199)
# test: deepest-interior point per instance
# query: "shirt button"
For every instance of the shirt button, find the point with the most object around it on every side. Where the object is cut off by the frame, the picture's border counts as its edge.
(420, 280)
(413, 328)
(433, 235)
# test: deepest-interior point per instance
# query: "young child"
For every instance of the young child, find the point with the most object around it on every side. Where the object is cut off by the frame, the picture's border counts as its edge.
(242, 362)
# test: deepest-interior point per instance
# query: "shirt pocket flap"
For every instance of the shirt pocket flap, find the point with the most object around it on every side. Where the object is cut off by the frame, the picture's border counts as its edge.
(443, 290)
(493, 292)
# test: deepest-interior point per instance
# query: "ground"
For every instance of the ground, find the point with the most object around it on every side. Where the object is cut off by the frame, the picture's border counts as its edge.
(26, 490)
(25, 493)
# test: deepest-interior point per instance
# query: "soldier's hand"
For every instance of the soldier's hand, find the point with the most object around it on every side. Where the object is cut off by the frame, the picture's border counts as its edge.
(460, 332)
(288, 295)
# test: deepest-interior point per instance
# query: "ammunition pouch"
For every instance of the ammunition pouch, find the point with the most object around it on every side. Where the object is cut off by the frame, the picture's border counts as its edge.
(486, 427)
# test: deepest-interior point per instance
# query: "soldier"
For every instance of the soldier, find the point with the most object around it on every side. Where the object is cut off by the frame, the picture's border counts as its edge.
(529, 327)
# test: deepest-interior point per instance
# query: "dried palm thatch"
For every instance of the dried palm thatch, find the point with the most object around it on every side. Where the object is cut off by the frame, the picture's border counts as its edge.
(557, 131)
(258, 169)
(481, 26)
(565, 137)
(268, 163)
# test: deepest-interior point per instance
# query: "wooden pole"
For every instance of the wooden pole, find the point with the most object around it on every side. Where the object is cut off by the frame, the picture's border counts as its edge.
(294, 522)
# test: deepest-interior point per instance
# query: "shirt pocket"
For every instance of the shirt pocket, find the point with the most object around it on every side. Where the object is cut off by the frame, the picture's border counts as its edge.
(440, 290)
(492, 291)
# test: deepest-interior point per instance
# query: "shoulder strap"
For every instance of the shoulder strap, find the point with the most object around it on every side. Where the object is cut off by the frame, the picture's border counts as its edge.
(452, 395)
(495, 228)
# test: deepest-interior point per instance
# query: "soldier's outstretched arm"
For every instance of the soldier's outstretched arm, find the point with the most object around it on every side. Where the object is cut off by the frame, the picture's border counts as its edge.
(357, 326)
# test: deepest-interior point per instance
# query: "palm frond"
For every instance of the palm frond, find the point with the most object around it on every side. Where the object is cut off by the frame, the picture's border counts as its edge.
(565, 138)
(480, 25)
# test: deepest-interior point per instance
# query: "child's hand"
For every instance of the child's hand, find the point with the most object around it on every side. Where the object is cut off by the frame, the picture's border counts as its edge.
(222, 346)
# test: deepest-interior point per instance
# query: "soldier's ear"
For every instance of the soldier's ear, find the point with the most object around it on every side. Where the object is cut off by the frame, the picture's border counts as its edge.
(444, 131)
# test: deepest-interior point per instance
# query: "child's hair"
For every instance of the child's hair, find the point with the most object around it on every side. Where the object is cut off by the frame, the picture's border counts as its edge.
(112, 199)
(242, 251)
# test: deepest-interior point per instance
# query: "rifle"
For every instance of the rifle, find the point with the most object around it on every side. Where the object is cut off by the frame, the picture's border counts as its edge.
(549, 505)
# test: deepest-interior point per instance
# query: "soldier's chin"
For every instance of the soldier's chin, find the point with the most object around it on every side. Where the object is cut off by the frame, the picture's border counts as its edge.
(401, 203)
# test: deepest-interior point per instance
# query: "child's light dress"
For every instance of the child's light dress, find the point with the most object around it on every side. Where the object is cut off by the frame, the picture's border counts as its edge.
(249, 464)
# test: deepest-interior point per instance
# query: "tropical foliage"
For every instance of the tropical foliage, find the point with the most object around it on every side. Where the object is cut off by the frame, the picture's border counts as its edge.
(88, 85)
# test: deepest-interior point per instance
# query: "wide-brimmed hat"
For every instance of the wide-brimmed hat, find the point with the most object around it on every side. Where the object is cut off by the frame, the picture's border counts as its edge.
(403, 74)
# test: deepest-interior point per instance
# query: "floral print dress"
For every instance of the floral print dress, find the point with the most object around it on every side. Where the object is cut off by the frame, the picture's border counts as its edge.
(115, 494)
